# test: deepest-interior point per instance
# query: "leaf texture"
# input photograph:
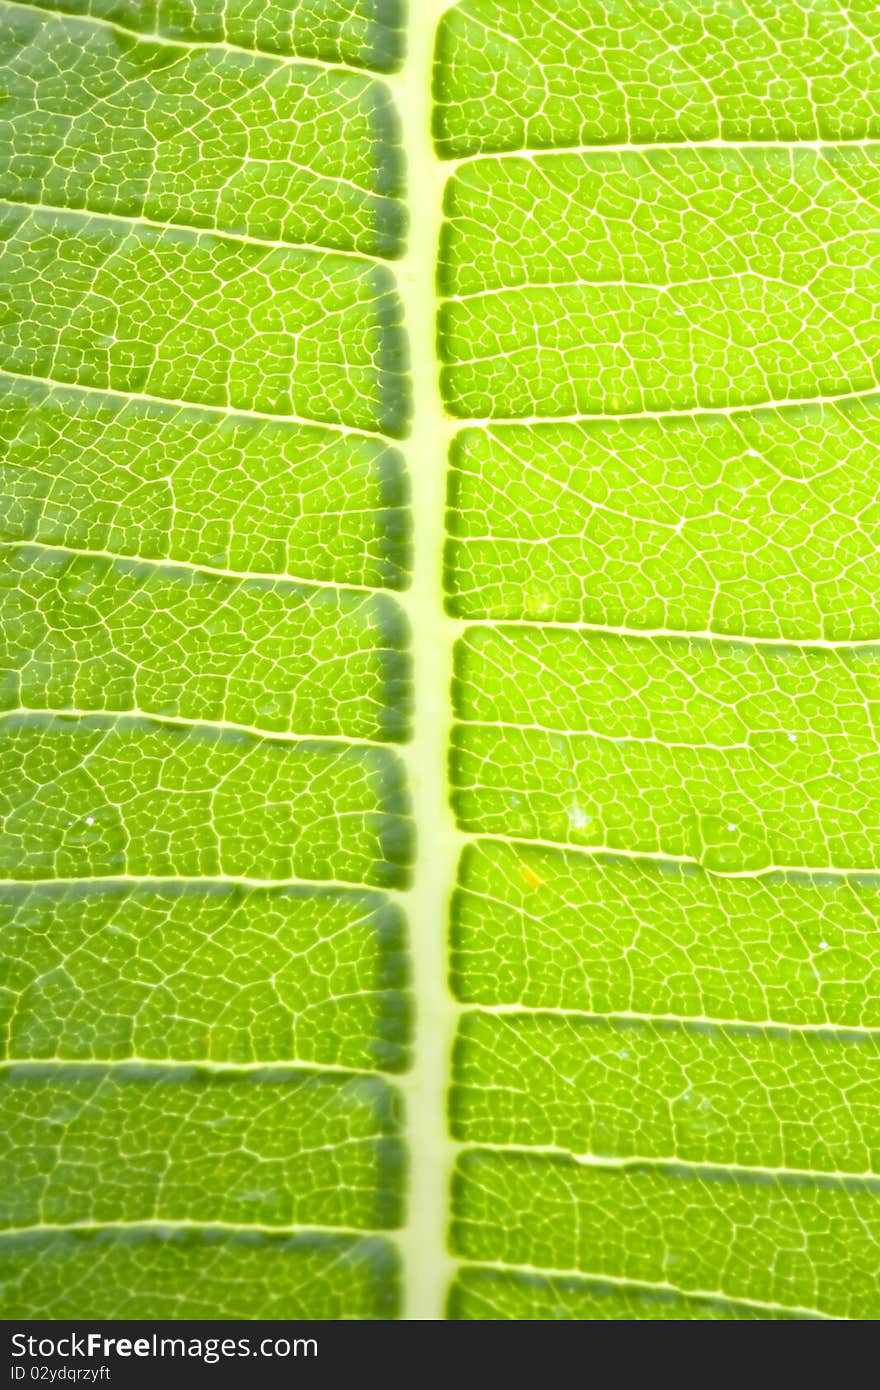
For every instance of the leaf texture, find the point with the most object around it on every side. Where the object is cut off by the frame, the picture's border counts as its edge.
(633, 288)
(658, 331)
(204, 669)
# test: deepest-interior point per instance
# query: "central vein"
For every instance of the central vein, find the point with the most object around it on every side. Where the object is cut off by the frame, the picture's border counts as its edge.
(427, 1266)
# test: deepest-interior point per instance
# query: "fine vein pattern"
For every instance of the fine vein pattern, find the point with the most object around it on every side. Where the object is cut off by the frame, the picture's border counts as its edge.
(205, 670)
(658, 330)
(283, 748)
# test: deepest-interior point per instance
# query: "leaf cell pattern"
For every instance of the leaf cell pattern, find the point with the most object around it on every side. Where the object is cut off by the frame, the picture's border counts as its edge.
(204, 677)
(658, 334)
(657, 337)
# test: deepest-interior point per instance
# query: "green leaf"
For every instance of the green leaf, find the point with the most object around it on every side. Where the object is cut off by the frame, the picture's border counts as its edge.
(440, 659)
(203, 672)
(218, 973)
(363, 33)
(665, 753)
(516, 75)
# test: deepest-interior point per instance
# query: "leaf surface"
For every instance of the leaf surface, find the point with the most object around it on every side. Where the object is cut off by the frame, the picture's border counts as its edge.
(204, 670)
(657, 321)
(283, 745)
